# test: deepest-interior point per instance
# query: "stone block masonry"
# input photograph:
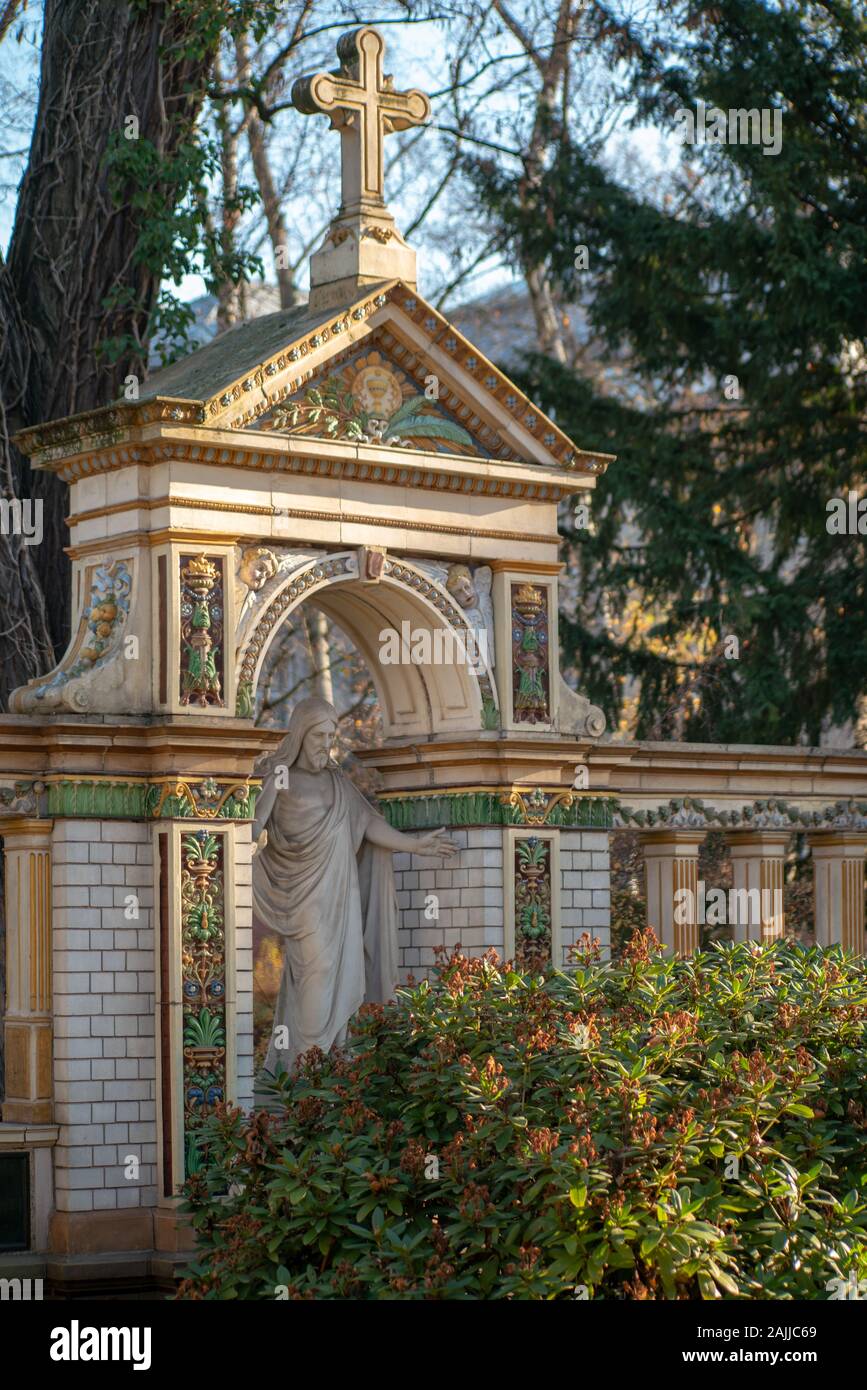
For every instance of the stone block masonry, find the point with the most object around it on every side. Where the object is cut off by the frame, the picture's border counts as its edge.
(104, 1058)
(104, 1061)
(447, 904)
(585, 889)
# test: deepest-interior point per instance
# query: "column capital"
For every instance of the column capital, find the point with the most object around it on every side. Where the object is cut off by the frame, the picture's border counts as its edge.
(676, 840)
(12, 827)
(854, 841)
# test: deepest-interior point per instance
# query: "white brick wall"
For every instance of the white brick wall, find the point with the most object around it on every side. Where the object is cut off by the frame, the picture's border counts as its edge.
(585, 901)
(469, 889)
(104, 1061)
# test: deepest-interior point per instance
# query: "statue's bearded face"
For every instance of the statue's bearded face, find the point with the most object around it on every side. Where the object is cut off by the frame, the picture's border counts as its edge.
(316, 748)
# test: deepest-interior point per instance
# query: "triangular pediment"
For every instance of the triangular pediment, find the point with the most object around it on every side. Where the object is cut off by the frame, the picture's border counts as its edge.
(385, 368)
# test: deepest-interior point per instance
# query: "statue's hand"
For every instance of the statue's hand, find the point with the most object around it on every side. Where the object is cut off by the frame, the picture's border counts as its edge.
(261, 842)
(436, 842)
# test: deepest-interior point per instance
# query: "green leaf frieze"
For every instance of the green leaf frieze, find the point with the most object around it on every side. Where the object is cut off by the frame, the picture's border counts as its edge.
(181, 799)
(496, 807)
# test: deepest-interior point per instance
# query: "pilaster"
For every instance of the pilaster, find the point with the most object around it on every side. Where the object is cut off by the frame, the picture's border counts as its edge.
(838, 887)
(198, 976)
(671, 867)
(28, 1030)
(758, 860)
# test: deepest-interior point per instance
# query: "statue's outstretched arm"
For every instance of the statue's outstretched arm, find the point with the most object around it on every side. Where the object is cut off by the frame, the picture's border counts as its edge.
(435, 842)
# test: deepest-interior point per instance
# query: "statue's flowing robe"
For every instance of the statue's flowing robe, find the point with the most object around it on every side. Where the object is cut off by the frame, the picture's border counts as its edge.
(331, 897)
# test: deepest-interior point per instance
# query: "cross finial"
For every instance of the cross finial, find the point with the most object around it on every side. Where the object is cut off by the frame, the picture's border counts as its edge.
(364, 107)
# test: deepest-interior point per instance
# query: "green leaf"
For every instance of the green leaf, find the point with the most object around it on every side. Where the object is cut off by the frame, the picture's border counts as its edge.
(725, 1281)
(428, 427)
(650, 1242)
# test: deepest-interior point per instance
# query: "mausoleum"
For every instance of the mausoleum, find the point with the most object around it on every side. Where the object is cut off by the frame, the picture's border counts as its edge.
(355, 453)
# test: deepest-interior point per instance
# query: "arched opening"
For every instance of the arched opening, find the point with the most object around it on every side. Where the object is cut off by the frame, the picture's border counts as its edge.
(431, 666)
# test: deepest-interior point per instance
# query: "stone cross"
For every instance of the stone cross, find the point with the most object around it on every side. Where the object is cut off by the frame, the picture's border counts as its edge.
(364, 107)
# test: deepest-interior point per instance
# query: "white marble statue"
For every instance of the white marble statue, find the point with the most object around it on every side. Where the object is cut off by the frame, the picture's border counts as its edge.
(323, 880)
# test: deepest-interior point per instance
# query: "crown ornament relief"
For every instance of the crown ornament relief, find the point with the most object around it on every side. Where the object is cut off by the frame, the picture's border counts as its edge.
(529, 599)
(200, 575)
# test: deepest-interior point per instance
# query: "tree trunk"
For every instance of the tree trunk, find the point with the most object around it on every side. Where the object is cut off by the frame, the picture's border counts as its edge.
(554, 335)
(321, 649)
(277, 233)
(229, 306)
(72, 248)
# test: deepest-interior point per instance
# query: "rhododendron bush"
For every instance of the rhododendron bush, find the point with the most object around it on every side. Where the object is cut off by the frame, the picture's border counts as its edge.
(647, 1129)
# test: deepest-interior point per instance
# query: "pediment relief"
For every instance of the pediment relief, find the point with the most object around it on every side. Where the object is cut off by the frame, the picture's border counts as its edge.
(365, 396)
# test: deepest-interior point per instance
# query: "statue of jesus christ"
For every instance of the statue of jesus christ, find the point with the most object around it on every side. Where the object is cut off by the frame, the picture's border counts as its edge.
(324, 881)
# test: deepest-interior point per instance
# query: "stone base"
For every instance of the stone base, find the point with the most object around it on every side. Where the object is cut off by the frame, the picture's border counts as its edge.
(101, 1232)
(360, 249)
(173, 1232)
(111, 1276)
(37, 1141)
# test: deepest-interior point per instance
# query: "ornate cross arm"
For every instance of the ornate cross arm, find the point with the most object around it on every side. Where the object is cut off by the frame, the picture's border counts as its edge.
(364, 107)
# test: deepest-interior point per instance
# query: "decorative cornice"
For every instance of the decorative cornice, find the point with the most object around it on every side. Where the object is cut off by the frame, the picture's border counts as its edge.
(220, 408)
(462, 352)
(238, 405)
(692, 813)
(470, 806)
(95, 431)
(274, 453)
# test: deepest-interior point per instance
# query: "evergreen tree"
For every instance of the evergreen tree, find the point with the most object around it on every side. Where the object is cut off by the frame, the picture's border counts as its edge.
(740, 300)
